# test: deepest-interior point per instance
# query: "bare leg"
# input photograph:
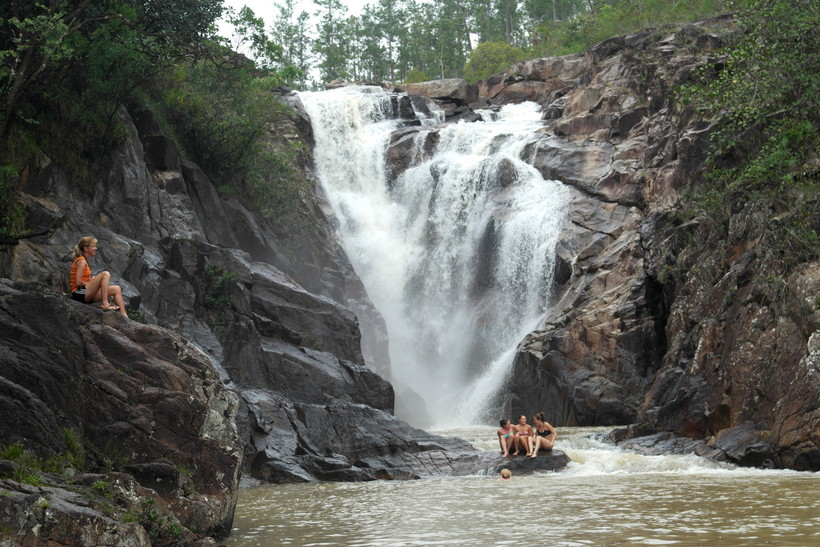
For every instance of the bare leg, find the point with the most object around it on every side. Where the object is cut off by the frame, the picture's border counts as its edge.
(97, 288)
(116, 292)
(536, 446)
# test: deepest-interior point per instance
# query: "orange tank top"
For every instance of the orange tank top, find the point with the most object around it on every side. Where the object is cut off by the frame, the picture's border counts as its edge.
(72, 281)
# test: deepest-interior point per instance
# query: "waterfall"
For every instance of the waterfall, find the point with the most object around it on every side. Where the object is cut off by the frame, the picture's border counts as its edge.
(456, 252)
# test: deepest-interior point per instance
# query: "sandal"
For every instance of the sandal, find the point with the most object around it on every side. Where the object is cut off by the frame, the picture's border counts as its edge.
(109, 307)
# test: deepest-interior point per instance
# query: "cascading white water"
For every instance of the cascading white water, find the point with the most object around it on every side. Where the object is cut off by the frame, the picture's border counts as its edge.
(456, 253)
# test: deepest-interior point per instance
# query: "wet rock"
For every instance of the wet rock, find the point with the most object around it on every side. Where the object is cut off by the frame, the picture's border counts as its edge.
(744, 444)
(665, 443)
(53, 516)
(301, 443)
(454, 89)
(548, 460)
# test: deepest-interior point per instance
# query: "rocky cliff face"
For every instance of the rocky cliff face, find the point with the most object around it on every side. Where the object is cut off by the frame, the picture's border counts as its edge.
(702, 340)
(647, 326)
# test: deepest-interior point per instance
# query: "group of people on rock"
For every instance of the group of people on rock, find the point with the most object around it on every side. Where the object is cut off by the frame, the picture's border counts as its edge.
(524, 438)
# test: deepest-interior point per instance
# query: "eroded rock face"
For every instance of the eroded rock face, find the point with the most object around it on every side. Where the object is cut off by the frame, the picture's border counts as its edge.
(742, 366)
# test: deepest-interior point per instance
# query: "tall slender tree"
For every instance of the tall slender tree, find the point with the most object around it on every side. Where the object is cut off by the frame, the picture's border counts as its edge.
(290, 31)
(331, 44)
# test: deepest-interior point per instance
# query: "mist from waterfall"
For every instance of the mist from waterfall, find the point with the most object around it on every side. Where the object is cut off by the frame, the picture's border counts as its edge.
(456, 253)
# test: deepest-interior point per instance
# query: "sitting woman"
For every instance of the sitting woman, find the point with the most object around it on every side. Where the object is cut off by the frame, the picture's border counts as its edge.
(85, 288)
(523, 436)
(545, 434)
(506, 435)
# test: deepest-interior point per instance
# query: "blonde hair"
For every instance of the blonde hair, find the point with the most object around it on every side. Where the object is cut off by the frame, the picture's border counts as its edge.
(506, 474)
(87, 241)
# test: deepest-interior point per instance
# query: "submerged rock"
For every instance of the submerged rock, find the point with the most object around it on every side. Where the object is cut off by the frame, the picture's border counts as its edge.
(547, 460)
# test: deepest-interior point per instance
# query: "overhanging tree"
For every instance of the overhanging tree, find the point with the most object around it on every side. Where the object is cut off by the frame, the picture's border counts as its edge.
(40, 41)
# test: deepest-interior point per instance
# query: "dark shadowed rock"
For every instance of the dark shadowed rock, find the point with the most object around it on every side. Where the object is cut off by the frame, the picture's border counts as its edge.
(546, 460)
(139, 399)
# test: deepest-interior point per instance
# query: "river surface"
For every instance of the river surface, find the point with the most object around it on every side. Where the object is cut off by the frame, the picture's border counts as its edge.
(604, 497)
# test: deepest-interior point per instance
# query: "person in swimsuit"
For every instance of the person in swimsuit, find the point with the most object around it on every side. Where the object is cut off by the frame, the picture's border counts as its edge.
(545, 434)
(523, 436)
(85, 288)
(506, 436)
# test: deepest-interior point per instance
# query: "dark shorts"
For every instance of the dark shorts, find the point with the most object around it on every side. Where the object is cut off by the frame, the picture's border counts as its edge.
(78, 296)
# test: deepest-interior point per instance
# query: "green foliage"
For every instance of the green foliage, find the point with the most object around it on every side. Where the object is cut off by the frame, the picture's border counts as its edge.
(100, 486)
(12, 452)
(91, 54)
(249, 33)
(75, 454)
(290, 31)
(575, 32)
(216, 285)
(415, 76)
(771, 72)
(544, 11)
(42, 503)
(30, 466)
(765, 99)
(12, 214)
(491, 58)
(222, 114)
(163, 530)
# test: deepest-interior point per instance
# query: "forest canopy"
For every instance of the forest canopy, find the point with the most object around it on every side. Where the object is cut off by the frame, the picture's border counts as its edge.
(397, 40)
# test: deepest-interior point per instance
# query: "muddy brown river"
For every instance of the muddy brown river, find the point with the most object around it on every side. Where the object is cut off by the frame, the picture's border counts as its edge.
(604, 497)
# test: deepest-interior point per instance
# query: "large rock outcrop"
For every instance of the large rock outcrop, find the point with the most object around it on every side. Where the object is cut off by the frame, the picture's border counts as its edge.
(156, 423)
(637, 332)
